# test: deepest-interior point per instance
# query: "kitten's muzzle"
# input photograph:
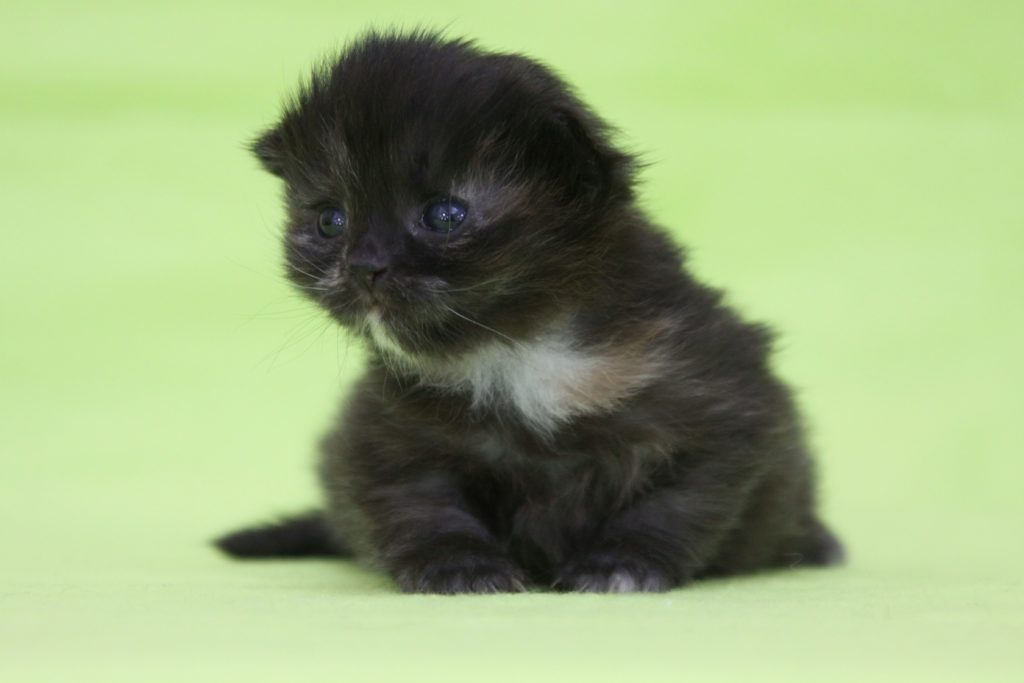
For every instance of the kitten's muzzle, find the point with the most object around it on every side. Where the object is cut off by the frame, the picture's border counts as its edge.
(369, 265)
(369, 275)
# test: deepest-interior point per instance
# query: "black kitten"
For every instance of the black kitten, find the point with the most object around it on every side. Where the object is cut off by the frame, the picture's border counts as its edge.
(551, 399)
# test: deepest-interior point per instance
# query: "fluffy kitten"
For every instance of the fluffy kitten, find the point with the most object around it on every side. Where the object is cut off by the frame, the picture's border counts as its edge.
(551, 399)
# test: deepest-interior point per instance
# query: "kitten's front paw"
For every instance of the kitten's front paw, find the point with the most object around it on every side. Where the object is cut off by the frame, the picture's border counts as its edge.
(462, 573)
(602, 573)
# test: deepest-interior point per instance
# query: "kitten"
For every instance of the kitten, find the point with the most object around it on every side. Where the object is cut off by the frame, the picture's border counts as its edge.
(551, 399)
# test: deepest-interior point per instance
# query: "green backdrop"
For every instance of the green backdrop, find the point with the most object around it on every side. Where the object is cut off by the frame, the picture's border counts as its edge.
(852, 172)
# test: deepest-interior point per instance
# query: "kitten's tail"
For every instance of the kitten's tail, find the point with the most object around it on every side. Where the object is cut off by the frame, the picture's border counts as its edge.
(302, 536)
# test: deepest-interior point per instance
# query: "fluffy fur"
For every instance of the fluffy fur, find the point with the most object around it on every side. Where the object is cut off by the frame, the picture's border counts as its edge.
(551, 399)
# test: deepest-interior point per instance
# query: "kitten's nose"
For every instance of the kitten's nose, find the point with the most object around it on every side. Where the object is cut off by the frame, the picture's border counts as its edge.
(368, 265)
(369, 274)
(369, 260)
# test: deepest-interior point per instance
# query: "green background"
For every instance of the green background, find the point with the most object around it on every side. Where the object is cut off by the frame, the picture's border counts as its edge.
(852, 172)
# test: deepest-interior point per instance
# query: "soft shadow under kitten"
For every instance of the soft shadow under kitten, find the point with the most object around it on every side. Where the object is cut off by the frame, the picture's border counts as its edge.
(551, 399)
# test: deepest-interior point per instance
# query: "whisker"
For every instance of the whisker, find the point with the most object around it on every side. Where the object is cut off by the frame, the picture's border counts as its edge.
(481, 325)
(296, 252)
(296, 336)
(444, 290)
(310, 288)
(309, 275)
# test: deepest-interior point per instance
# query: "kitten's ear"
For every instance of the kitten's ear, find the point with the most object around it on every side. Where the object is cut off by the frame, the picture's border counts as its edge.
(581, 151)
(269, 149)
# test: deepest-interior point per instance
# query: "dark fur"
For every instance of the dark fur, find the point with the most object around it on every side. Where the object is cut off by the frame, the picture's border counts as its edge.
(696, 468)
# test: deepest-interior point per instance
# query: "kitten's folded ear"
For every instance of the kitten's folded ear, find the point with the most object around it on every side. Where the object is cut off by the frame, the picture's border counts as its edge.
(269, 149)
(582, 154)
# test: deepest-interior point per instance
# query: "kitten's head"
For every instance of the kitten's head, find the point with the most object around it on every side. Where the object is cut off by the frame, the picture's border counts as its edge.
(440, 196)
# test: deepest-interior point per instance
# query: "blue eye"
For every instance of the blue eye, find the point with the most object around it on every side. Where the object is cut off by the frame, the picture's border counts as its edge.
(444, 215)
(332, 222)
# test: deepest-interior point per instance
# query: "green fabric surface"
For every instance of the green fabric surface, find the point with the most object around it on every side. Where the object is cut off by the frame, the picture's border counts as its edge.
(852, 173)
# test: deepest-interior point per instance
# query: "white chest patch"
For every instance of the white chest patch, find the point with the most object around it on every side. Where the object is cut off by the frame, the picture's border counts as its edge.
(547, 380)
(544, 380)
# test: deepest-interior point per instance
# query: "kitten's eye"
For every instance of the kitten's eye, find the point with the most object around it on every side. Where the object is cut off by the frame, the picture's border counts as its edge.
(444, 215)
(332, 222)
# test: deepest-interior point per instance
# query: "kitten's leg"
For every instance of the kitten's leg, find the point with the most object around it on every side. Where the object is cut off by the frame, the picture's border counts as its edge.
(661, 541)
(430, 542)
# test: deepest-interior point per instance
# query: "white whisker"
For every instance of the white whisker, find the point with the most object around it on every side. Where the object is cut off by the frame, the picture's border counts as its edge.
(481, 325)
